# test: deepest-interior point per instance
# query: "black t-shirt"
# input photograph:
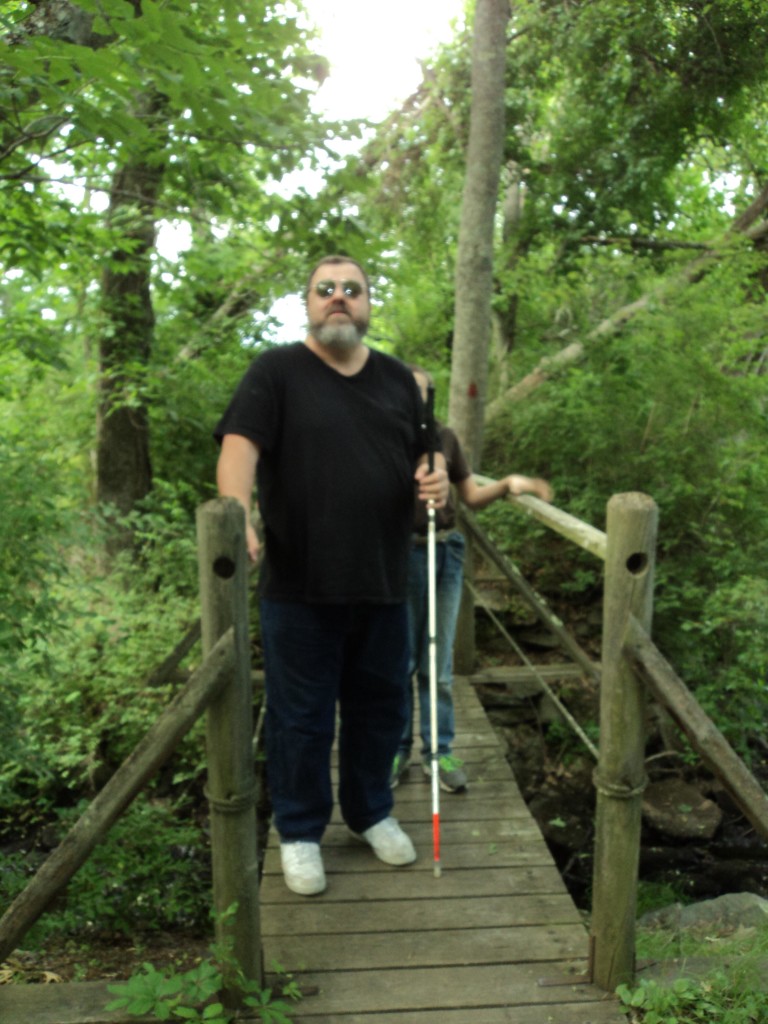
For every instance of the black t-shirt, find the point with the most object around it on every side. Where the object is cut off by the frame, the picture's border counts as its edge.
(335, 473)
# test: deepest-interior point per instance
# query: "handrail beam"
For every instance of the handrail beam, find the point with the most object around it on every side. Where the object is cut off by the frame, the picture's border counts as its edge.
(576, 530)
(715, 751)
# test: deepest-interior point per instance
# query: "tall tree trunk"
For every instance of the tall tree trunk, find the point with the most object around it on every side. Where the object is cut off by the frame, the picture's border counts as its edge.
(504, 318)
(474, 258)
(123, 468)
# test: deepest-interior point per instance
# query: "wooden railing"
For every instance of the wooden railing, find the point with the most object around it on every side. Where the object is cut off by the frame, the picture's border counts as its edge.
(631, 669)
(222, 686)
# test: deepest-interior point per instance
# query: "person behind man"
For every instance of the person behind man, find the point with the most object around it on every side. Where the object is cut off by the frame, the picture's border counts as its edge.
(449, 562)
(334, 433)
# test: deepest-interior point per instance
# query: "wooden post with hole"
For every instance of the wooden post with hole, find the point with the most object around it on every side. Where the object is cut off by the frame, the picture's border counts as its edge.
(620, 775)
(231, 789)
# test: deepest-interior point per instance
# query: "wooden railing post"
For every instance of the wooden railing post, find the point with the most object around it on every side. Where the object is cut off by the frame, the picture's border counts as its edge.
(620, 775)
(231, 788)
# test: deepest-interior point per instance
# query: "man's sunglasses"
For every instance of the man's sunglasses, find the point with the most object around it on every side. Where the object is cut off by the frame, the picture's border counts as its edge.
(351, 289)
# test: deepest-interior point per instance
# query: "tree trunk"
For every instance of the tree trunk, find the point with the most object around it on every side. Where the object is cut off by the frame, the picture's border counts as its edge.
(474, 258)
(123, 468)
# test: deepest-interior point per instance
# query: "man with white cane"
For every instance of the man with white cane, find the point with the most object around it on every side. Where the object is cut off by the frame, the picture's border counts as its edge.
(333, 432)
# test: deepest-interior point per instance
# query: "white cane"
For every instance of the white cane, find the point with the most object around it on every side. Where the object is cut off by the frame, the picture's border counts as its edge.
(432, 631)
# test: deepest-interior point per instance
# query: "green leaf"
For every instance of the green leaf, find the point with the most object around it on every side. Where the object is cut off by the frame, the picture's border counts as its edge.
(214, 1010)
(117, 1004)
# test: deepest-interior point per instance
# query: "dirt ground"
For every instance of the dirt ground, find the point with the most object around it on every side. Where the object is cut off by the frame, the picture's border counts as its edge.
(106, 958)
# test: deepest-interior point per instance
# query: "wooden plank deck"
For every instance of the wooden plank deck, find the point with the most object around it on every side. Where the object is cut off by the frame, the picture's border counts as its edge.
(398, 946)
(479, 945)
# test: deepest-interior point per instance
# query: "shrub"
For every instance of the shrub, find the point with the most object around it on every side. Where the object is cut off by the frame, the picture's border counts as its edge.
(149, 874)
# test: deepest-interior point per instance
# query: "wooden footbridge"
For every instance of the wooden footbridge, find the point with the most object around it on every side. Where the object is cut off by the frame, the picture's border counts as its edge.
(495, 938)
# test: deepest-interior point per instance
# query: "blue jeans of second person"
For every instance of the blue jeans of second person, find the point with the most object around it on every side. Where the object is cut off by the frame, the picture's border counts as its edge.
(316, 656)
(449, 574)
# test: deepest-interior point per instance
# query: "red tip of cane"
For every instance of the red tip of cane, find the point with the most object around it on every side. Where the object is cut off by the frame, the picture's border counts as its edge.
(436, 842)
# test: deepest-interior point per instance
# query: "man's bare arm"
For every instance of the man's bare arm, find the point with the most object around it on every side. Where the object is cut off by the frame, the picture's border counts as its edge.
(235, 478)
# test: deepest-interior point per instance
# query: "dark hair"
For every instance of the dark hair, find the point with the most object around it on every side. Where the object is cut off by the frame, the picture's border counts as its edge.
(334, 261)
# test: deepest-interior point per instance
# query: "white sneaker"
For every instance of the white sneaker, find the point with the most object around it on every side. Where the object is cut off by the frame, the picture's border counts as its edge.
(388, 842)
(303, 867)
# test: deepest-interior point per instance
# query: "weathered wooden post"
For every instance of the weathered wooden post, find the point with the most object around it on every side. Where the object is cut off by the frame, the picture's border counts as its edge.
(620, 775)
(231, 789)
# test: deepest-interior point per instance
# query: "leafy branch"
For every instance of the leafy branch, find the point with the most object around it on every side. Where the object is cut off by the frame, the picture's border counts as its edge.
(194, 995)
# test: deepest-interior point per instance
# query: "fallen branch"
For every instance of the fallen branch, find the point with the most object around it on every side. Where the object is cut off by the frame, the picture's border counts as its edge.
(745, 225)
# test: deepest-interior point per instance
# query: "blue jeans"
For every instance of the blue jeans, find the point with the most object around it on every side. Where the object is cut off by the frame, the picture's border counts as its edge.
(314, 657)
(449, 574)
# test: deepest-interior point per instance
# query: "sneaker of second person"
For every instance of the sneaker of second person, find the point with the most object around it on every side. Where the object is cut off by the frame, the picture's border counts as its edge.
(451, 775)
(400, 767)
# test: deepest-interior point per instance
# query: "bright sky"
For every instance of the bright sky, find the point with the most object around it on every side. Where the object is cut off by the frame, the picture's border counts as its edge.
(374, 50)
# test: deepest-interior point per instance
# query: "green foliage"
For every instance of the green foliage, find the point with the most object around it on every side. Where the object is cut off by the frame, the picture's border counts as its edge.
(210, 104)
(622, 91)
(150, 873)
(164, 558)
(162, 996)
(194, 994)
(672, 407)
(656, 944)
(731, 990)
(732, 629)
(685, 1001)
(31, 521)
(224, 78)
(78, 696)
(35, 517)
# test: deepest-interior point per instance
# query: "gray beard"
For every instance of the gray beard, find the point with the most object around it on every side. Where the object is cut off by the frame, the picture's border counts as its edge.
(342, 336)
